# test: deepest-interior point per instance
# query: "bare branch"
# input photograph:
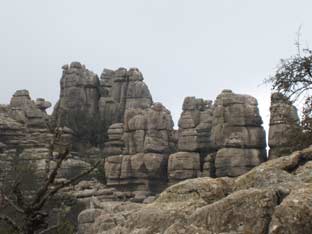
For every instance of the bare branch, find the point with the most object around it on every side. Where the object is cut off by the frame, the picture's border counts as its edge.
(50, 194)
(52, 228)
(12, 204)
(19, 196)
(51, 177)
(10, 222)
(297, 42)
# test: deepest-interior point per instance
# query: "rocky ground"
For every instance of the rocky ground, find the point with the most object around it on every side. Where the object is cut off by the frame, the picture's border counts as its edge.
(274, 198)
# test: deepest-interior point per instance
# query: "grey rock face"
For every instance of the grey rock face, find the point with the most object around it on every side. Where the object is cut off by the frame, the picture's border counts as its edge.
(183, 165)
(77, 107)
(273, 198)
(22, 123)
(117, 112)
(121, 90)
(237, 133)
(195, 125)
(27, 111)
(89, 105)
(284, 124)
(193, 139)
(115, 143)
(227, 136)
(137, 150)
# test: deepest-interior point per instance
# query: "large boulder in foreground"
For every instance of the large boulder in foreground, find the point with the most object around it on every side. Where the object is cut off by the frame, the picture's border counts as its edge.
(272, 198)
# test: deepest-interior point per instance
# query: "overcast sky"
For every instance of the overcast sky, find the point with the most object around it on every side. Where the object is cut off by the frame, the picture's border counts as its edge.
(183, 47)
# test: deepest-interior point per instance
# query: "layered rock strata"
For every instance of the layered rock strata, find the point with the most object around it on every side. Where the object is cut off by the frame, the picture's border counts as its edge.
(284, 126)
(139, 150)
(194, 141)
(89, 105)
(238, 135)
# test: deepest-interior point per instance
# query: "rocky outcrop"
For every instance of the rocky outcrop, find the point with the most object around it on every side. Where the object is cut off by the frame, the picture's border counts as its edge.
(24, 122)
(223, 139)
(195, 126)
(284, 125)
(117, 112)
(25, 136)
(77, 107)
(31, 113)
(271, 198)
(138, 150)
(89, 105)
(183, 165)
(114, 118)
(237, 133)
(194, 141)
(121, 90)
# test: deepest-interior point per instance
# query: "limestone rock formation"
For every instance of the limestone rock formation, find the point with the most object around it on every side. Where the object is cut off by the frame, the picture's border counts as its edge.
(193, 139)
(121, 90)
(77, 107)
(238, 134)
(195, 125)
(273, 198)
(284, 125)
(28, 112)
(140, 136)
(24, 122)
(137, 151)
(183, 165)
(89, 105)
(114, 118)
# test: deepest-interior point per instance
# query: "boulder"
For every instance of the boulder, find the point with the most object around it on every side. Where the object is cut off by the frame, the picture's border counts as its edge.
(273, 197)
(293, 215)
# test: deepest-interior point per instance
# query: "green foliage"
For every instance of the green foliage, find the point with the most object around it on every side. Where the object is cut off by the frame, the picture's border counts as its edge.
(293, 78)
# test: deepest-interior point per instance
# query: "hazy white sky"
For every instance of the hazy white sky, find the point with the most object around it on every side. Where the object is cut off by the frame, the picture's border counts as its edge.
(183, 47)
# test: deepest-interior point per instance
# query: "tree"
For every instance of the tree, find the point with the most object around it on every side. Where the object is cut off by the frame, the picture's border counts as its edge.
(31, 208)
(293, 78)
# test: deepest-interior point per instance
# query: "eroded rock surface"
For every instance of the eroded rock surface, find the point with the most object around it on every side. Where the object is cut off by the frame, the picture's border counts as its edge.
(271, 198)
(194, 141)
(284, 125)
(238, 134)
(138, 150)
(114, 117)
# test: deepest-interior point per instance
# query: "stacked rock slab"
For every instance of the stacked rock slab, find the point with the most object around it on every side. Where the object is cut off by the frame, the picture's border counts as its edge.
(77, 107)
(24, 127)
(89, 105)
(147, 140)
(121, 90)
(29, 112)
(237, 133)
(23, 122)
(284, 124)
(193, 139)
